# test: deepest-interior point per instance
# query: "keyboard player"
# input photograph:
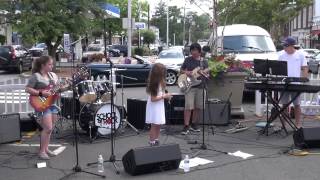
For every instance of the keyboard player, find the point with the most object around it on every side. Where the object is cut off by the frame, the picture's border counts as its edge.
(297, 67)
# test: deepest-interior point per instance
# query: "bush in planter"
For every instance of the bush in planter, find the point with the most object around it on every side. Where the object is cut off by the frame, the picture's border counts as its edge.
(228, 63)
(138, 51)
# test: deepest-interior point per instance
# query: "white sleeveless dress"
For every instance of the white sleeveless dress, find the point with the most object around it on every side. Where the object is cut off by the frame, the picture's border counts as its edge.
(155, 113)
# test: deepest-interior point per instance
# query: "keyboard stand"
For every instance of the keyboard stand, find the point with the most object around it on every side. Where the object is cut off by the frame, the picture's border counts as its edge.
(280, 112)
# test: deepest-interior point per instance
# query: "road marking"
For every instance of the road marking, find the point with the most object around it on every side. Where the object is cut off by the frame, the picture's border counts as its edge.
(34, 145)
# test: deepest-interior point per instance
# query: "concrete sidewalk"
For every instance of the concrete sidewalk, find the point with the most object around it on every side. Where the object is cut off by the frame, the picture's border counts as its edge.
(271, 160)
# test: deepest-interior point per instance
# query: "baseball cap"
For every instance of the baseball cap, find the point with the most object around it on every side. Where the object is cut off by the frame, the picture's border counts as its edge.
(289, 41)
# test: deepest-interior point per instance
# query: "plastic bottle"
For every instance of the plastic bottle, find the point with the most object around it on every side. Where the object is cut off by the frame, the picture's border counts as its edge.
(186, 166)
(100, 164)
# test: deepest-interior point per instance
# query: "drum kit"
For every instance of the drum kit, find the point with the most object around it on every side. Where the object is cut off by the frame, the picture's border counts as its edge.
(92, 107)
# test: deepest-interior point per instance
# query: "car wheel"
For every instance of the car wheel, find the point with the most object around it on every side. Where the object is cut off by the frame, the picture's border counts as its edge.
(20, 68)
(171, 77)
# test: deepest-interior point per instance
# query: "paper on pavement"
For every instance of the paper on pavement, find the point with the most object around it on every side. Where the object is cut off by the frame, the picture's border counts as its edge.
(241, 154)
(193, 162)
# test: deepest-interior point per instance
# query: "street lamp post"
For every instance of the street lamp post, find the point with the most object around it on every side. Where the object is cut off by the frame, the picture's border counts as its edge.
(168, 25)
(129, 28)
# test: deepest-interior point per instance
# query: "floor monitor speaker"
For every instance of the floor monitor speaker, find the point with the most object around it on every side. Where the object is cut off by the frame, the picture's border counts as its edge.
(150, 159)
(307, 137)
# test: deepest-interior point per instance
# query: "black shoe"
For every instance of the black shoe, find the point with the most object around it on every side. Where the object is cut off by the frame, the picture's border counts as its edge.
(185, 130)
(194, 128)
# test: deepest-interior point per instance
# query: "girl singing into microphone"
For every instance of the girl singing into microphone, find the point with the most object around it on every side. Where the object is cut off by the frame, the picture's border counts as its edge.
(155, 111)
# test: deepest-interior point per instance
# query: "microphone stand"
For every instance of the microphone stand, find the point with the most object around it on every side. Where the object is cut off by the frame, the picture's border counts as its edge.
(77, 168)
(113, 117)
(203, 146)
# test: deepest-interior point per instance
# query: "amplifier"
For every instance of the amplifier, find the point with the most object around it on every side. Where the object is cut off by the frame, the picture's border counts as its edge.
(175, 109)
(307, 137)
(216, 113)
(10, 128)
(136, 112)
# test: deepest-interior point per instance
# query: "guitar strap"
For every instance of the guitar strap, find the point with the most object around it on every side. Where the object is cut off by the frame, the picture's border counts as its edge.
(51, 78)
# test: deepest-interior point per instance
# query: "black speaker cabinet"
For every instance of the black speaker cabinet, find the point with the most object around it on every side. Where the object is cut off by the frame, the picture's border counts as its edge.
(307, 137)
(145, 160)
(9, 128)
(216, 113)
(175, 109)
(136, 112)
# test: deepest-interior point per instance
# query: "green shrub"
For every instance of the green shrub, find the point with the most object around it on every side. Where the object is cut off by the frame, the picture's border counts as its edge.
(138, 51)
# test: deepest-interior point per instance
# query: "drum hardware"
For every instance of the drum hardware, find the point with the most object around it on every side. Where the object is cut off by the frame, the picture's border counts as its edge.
(124, 120)
(86, 92)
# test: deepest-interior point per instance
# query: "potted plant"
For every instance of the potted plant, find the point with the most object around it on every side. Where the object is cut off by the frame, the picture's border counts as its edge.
(227, 79)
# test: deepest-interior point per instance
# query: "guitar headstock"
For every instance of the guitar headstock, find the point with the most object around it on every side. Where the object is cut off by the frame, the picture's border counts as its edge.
(80, 75)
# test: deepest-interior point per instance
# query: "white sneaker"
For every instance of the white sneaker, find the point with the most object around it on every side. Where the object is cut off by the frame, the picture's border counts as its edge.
(44, 156)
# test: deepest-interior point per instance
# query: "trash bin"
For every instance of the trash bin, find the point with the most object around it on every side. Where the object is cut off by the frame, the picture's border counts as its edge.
(313, 67)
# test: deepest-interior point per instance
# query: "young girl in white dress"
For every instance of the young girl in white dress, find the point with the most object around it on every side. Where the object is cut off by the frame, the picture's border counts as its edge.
(155, 112)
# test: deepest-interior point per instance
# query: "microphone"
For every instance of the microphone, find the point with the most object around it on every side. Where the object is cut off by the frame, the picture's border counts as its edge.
(192, 142)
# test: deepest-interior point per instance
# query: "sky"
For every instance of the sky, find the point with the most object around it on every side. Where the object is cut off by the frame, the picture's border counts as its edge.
(199, 6)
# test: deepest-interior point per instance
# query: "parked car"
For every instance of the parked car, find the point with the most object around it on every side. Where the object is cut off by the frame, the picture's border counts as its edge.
(122, 48)
(39, 50)
(311, 52)
(42, 49)
(97, 49)
(173, 59)
(15, 57)
(140, 71)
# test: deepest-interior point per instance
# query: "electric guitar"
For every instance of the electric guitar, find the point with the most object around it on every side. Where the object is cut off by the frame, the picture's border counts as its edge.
(186, 82)
(41, 104)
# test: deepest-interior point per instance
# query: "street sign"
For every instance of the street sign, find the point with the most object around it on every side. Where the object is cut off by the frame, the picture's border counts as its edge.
(111, 10)
(125, 23)
(140, 25)
(66, 43)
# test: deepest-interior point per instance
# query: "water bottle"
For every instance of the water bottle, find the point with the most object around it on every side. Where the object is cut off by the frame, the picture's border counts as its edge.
(186, 166)
(100, 164)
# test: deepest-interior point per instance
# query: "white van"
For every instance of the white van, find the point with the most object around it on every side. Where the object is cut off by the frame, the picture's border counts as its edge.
(247, 42)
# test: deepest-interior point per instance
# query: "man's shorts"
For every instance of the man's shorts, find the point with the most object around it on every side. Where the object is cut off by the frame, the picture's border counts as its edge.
(287, 96)
(194, 99)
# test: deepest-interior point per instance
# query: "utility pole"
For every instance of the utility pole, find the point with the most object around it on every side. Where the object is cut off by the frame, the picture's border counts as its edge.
(148, 16)
(129, 29)
(168, 24)
(184, 23)
(215, 28)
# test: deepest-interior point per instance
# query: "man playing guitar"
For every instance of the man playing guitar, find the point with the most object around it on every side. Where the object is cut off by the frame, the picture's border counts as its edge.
(193, 97)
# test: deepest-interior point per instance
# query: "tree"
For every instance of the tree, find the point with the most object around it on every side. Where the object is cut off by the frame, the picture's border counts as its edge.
(47, 20)
(148, 37)
(269, 14)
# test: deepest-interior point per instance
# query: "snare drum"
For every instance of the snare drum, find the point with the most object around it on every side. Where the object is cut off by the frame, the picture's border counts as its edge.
(104, 89)
(86, 92)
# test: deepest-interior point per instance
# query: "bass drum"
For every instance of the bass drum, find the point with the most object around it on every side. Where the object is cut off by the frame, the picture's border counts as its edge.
(97, 115)
(104, 119)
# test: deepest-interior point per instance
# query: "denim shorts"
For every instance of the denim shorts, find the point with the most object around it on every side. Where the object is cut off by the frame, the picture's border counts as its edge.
(51, 110)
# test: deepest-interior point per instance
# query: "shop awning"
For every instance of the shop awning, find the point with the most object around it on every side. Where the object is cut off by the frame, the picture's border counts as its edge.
(315, 32)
